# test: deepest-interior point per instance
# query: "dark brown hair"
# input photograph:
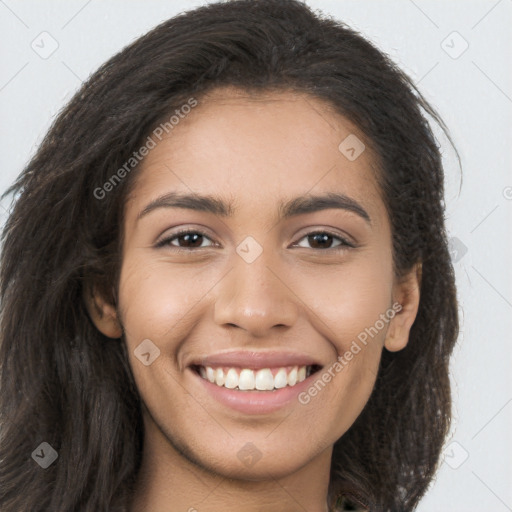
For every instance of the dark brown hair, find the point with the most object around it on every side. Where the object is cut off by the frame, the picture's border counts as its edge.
(64, 383)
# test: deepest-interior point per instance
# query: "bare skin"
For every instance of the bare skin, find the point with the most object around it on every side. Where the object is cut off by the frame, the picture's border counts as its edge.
(297, 296)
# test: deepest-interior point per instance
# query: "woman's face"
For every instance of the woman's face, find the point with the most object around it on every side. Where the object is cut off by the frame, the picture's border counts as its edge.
(286, 269)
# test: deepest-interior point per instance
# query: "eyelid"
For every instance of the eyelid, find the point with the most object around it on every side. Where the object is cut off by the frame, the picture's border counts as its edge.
(346, 241)
(164, 240)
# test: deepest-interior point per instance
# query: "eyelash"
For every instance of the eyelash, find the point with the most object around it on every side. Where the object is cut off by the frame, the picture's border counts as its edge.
(344, 245)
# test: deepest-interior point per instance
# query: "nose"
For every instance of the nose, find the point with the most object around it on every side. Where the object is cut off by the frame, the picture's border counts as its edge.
(255, 297)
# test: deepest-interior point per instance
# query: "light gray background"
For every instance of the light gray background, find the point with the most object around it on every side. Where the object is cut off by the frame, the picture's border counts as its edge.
(472, 90)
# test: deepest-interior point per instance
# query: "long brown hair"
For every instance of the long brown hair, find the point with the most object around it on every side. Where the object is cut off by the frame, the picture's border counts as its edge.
(62, 382)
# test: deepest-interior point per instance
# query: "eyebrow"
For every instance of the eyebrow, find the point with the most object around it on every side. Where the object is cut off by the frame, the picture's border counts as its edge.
(288, 209)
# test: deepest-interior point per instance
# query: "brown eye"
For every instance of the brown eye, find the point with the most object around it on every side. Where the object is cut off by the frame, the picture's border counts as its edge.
(325, 240)
(185, 240)
(190, 240)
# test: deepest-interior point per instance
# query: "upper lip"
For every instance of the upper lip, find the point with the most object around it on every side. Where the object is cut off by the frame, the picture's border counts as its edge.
(254, 359)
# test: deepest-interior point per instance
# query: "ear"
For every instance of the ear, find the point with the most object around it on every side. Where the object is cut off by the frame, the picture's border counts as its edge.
(406, 292)
(102, 313)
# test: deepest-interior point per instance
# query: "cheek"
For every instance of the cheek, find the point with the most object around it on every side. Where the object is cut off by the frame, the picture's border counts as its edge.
(349, 300)
(157, 299)
(352, 310)
(159, 302)
(164, 303)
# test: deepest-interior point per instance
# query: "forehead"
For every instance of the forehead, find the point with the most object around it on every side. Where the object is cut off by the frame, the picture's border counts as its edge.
(256, 149)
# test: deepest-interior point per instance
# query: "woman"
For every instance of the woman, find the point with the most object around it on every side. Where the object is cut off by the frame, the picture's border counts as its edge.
(225, 281)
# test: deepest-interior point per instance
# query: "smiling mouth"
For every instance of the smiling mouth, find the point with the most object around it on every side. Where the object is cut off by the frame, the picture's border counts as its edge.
(264, 379)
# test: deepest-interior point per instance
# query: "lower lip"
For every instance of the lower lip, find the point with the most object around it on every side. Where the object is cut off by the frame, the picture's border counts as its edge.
(254, 402)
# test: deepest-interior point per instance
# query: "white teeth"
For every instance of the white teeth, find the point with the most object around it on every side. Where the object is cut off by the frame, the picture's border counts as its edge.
(231, 381)
(262, 380)
(292, 377)
(280, 380)
(219, 377)
(246, 380)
